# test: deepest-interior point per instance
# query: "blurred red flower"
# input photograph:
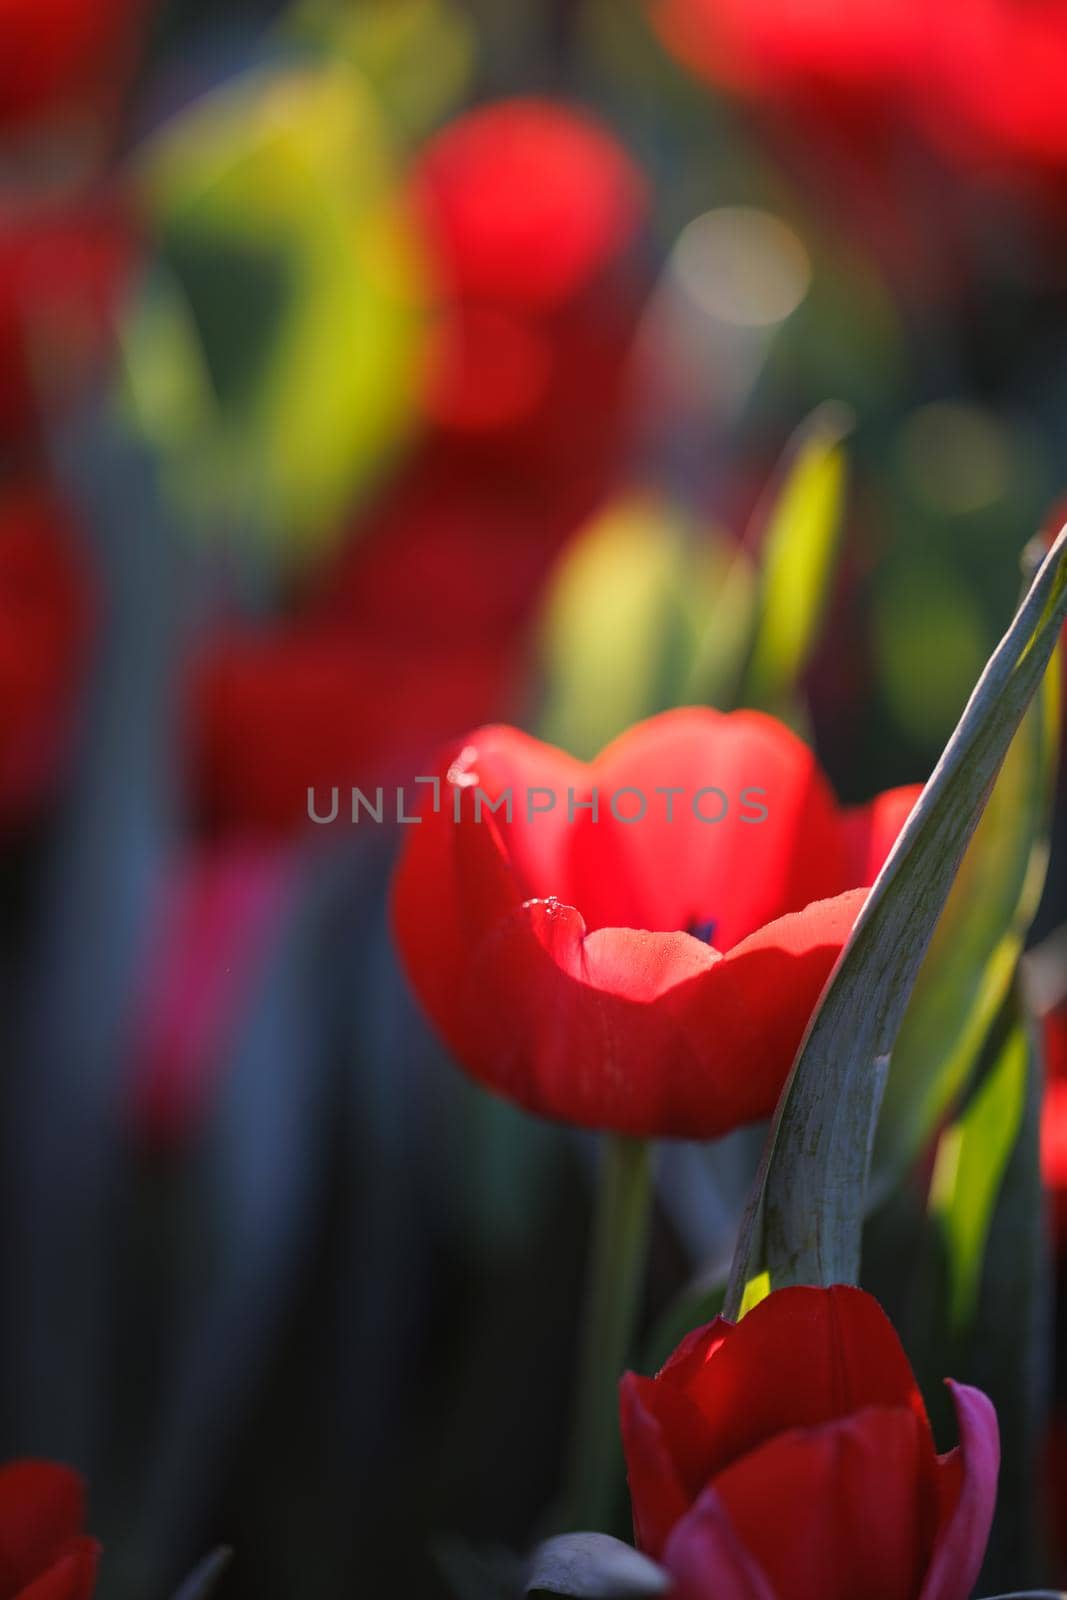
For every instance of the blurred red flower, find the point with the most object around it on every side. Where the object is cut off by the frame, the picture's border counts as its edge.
(215, 925)
(528, 201)
(530, 208)
(44, 1554)
(63, 267)
(414, 634)
(790, 1455)
(46, 610)
(1054, 1117)
(62, 55)
(787, 47)
(1002, 71)
(652, 975)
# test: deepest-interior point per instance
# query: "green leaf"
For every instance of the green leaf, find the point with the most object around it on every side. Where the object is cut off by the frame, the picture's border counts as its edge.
(804, 1221)
(797, 557)
(276, 354)
(1004, 1349)
(975, 949)
(391, 44)
(626, 621)
(972, 1159)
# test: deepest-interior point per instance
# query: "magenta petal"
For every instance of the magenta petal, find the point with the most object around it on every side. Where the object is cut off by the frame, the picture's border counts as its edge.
(965, 1523)
(707, 1560)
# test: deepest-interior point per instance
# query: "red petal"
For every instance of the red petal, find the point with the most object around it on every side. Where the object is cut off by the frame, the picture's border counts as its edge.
(735, 874)
(664, 1439)
(42, 1507)
(621, 1027)
(841, 1510)
(458, 881)
(72, 1577)
(968, 1480)
(748, 1044)
(707, 1560)
(801, 1358)
(871, 831)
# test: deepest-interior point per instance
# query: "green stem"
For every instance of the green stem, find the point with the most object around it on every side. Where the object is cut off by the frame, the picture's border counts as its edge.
(616, 1276)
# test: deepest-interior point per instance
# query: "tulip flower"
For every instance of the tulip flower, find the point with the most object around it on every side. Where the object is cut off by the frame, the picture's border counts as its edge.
(789, 1456)
(1054, 1117)
(1002, 70)
(45, 621)
(63, 269)
(638, 947)
(44, 1553)
(530, 209)
(782, 47)
(61, 55)
(376, 669)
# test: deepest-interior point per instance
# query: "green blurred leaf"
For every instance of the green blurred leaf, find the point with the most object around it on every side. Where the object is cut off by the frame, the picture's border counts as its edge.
(391, 44)
(972, 1158)
(976, 946)
(289, 306)
(987, 1310)
(804, 1221)
(797, 560)
(625, 631)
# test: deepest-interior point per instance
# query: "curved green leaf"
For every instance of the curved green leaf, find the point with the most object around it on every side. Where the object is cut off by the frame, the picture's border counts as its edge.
(972, 1159)
(797, 558)
(975, 948)
(804, 1221)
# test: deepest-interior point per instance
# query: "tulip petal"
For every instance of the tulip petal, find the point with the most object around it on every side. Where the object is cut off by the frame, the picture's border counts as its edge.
(72, 1577)
(968, 1482)
(801, 1358)
(707, 1560)
(770, 853)
(641, 1029)
(42, 1507)
(664, 1439)
(871, 831)
(841, 1510)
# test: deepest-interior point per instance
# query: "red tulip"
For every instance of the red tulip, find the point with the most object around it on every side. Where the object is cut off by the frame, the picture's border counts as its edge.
(653, 975)
(795, 46)
(530, 208)
(789, 1457)
(412, 635)
(45, 617)
(1054, 1117)
(528, 202)
(63, 268)
(44, 1554)
(1003, 68)
(61, 55)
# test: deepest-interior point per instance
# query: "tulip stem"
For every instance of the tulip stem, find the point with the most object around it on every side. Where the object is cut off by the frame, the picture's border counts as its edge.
(614, 1285)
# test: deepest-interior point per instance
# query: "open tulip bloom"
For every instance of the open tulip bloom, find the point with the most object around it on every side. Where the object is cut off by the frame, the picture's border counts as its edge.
(789, 1457)
(638, 943)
